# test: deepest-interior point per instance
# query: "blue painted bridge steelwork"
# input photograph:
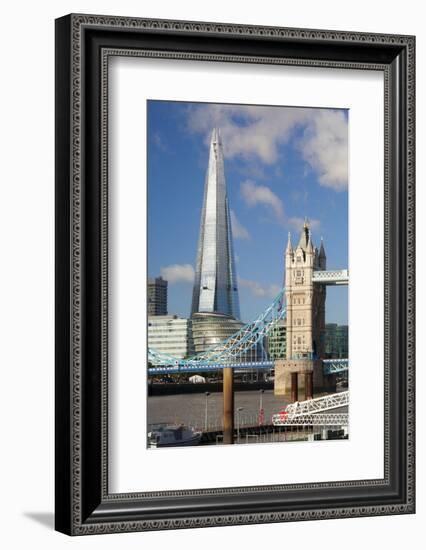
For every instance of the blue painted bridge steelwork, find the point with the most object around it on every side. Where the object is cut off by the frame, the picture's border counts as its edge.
(236, 352)
(335, 366)
(330, 366)
(206, 367)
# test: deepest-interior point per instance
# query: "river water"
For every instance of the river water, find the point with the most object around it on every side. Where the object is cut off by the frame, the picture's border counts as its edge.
(190, 409)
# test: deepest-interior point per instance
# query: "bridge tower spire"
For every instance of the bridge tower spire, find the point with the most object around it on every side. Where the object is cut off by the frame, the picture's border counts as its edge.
(289, 249)
(322, 257)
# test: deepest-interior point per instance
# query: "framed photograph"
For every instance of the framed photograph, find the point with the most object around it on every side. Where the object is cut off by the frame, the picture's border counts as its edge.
(234, 274)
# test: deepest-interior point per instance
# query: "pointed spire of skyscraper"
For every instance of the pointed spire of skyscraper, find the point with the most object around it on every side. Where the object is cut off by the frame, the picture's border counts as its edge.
(215, 285)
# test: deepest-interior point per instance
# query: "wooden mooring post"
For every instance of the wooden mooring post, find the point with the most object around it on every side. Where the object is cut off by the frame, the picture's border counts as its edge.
(294, 388)
(228, 405)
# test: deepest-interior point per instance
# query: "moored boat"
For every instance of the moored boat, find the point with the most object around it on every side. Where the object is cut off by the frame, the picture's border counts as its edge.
(173, 436)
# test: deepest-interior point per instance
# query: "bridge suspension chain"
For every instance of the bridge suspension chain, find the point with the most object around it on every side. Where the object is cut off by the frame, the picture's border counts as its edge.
(334, 366)
(236, 345)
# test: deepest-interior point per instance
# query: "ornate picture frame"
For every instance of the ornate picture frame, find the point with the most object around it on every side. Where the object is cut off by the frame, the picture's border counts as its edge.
(84, 44)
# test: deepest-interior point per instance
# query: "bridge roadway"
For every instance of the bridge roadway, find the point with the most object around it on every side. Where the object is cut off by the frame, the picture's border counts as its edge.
(330, 366)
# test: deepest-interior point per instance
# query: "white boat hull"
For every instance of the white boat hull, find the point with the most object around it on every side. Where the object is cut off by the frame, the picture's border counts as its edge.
(188, 442)
(174, 437)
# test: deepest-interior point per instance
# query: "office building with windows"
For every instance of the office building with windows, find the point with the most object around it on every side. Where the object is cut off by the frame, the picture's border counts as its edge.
(157, 296)
(277, 341)
(171, 335)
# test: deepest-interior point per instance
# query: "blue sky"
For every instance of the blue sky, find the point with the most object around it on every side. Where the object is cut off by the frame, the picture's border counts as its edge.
(281, 164)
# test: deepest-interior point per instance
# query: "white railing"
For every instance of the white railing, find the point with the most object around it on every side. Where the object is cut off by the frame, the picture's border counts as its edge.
(319, 404)
(281, 419)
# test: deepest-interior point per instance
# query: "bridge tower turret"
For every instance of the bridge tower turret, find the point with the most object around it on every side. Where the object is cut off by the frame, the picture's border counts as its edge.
(305, 306)
(322, 258)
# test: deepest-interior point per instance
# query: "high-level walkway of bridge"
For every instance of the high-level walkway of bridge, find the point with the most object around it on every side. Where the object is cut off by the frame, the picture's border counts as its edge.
(331, 277)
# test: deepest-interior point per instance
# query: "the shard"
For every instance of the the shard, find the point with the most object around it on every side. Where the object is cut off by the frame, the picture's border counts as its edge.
(215, 287)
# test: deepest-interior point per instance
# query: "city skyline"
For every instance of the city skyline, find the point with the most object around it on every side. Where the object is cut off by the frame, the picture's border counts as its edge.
(281, 165)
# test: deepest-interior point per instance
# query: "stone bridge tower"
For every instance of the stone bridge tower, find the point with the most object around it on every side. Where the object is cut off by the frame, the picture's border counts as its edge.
(305, 322)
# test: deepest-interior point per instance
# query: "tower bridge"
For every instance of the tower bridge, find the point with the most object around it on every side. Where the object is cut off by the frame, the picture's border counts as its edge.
(306, 281)
(302, 304)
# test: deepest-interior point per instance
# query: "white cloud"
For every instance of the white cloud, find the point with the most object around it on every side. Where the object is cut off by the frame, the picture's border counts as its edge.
(158, 141)
(325, 147)
(247, 130)
(178, 273)
(258, 290)
(256, 133)
(261, 194)
(238, 230)
(254, 195)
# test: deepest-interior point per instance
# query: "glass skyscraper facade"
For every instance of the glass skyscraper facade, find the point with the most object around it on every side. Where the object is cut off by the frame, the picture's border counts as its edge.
(215, 287)
(336, 341)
